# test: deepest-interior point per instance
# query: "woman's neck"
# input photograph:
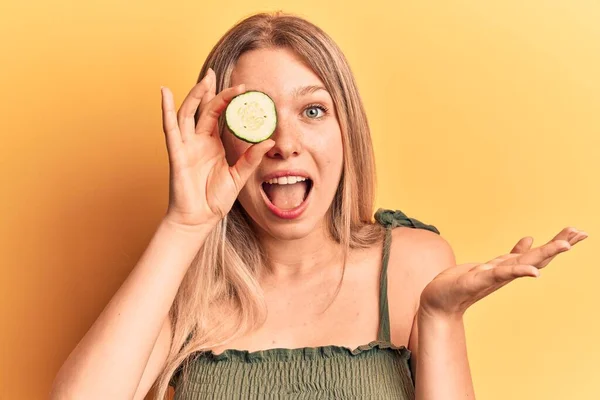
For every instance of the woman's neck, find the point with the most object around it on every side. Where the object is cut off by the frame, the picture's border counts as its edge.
(289, 259)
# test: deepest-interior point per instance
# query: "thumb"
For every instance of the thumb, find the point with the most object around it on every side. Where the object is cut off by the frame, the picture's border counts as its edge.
(523, 245)
(249, 161)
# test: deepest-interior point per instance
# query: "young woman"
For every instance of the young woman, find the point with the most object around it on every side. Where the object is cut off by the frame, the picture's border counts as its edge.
(268, 277)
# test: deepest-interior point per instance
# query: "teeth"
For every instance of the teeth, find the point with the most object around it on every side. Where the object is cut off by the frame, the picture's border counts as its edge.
(286, 180)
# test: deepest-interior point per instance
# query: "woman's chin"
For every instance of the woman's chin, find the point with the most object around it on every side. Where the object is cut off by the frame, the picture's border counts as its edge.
(291, 231)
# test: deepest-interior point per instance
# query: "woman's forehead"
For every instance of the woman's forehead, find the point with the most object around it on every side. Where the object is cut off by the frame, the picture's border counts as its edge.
(278, 72)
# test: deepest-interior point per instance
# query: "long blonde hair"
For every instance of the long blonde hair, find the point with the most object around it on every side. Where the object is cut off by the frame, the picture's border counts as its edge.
(220, 297)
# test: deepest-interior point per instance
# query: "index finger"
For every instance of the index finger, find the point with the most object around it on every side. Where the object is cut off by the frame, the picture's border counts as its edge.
(522, 245)
(539, 254)
(191, 103)
(169, 119)
(210, 114)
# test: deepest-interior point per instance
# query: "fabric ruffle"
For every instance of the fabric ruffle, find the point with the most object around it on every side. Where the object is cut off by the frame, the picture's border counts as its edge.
(304, 353)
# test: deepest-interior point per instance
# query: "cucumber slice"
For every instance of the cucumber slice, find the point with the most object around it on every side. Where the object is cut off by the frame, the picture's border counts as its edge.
(251, 116)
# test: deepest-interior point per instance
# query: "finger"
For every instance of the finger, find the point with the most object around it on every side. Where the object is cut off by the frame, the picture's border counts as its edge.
(500, 275)
(503, 258)
(571, 235)
(540, 254)
(208, 96)
(210, 115)
(578, 237)
(523, 245)
(248, 162)
(567, 234)
(185, 116)
(169, 120)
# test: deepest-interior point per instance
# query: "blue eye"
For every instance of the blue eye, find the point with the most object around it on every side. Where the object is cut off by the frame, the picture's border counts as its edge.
(315, 111)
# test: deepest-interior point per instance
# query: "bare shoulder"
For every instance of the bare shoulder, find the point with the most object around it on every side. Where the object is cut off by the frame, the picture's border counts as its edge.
(416, 257)
(421, 253)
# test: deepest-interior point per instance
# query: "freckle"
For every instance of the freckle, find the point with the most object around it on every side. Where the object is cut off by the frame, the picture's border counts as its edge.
(273, 342)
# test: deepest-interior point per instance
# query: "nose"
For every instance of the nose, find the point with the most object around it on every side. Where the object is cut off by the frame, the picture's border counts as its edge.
(288, 141)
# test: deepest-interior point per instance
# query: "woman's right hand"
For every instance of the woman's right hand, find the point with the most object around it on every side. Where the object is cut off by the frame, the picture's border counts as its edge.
(202, 185)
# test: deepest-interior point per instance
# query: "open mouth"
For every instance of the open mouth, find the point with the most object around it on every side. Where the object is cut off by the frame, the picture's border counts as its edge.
(287, 192)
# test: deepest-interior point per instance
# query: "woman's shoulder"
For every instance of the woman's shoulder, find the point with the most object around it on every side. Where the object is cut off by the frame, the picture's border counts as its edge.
(418, 252)
(420, 249)
(417, 248)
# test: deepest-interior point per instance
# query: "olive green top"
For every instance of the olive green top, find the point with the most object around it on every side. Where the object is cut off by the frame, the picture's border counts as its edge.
(378, 370)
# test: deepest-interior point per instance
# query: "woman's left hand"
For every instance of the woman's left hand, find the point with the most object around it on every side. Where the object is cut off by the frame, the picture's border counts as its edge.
(451, 292)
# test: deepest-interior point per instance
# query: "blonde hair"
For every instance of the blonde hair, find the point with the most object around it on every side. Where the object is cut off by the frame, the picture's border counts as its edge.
(220, 297)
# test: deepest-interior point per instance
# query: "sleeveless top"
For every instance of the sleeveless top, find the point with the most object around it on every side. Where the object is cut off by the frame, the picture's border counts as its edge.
(377, 370)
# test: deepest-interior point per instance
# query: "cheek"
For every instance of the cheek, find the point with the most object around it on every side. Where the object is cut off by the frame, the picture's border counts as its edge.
(332, 149)
(328, 152)
(335, 164)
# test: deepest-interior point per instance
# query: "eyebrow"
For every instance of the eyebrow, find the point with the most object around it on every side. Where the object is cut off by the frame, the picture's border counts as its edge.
(306, 90)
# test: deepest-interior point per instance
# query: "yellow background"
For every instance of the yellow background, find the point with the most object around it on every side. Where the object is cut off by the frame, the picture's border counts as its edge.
(486, 121)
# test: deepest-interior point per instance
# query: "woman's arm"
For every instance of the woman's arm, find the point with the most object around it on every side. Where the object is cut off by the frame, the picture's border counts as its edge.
(120, 355)
(441, 359)
(108, 363)
(437, 339)
(438, 345)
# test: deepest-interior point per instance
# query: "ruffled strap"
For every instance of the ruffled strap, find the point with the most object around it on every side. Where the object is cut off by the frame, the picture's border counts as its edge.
(391, 219)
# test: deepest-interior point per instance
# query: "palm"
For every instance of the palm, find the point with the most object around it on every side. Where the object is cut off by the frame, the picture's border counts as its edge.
(201, 160)
(456, 288)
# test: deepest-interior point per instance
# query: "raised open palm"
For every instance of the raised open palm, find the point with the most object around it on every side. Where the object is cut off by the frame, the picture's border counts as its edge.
(202, 185)
(457, 288)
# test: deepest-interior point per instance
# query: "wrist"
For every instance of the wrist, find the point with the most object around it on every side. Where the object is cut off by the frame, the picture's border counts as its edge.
(429, 315)
(195, 232)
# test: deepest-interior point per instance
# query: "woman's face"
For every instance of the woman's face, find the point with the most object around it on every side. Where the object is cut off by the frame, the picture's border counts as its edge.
(308, 144)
